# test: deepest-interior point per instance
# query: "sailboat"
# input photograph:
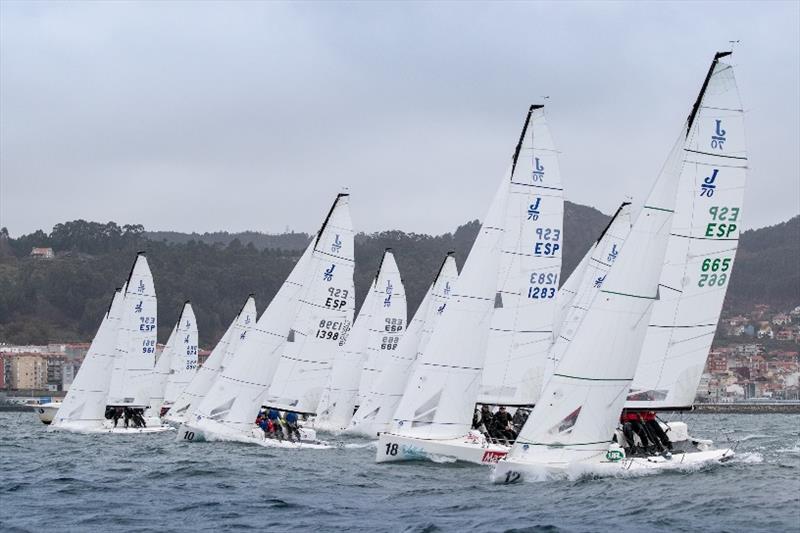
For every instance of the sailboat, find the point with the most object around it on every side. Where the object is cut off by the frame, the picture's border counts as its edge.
(572, 426)
(376, 334)
(292, 346)
(207, 373)
(375, 413)
(491, 344)
(177, 364)
(83, 407)
(230, 406)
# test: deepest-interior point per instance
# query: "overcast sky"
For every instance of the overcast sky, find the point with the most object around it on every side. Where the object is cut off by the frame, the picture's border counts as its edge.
(234, 116)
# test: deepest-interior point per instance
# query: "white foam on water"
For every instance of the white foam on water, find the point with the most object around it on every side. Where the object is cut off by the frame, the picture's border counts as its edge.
(748, 458)
(441, 459)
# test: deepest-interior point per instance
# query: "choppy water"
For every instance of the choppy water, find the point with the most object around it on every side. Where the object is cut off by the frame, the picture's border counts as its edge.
(66, 482)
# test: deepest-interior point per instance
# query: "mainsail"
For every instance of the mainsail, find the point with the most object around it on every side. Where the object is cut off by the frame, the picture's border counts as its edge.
(136, 342)
(701, 249)
(387, 323)
(325, 312)
(530, 266)
(84, 405)
(341, 392)
(208, 371)
(375, 413)
(183, 362)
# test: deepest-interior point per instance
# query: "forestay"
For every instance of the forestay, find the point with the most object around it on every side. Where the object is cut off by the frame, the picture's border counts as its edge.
(232, 401)
(701, 248)
(440, 395)
(375, 413)
(598, 261)
(325, 311)
(530, 266)
(208, 371)
(136, 342)
(84, 405)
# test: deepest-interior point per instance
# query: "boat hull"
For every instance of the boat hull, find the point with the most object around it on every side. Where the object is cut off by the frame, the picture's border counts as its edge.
(46, 411)
(510, 471)
(472, 448)
(201, 433)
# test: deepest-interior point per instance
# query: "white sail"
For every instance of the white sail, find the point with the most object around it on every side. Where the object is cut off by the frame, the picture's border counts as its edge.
(326, 310)
(567, 292)
(183, 363)
(439, 397)
(231, 404)
(208, 371)
(374, 415)
(387, 323)
(84, 405)
(136, 342)
(340, 395)
(601, 256)
(530, 266)
(701, 248)
(158, 381)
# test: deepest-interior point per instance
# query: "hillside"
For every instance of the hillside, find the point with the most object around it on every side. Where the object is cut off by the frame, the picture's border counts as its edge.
(62, 299)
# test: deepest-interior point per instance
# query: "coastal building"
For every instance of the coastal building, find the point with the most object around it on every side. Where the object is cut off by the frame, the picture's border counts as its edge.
(42, 253)
(28, 371)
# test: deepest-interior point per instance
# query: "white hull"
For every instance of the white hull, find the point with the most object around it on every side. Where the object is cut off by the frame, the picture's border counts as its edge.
(472, 448)
(198, 433)
(510, 471)
(47, 411)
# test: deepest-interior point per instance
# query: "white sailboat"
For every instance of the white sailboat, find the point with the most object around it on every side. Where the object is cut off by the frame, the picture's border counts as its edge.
(177, 364)
(207, 373)
(530, 267)
(285, 363)
(500, 314)
(571, 427)
(375, 414)
(230, 406)
(325, 313)
(133, 373)
(83, 408)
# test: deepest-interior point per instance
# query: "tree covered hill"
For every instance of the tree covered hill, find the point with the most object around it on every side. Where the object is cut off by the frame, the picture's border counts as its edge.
(63, 299)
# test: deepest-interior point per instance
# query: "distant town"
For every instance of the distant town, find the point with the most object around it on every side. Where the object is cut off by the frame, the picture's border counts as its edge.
(754, 358)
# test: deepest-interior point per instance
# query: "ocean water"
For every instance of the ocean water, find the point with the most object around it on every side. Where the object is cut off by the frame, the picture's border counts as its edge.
(53, 481)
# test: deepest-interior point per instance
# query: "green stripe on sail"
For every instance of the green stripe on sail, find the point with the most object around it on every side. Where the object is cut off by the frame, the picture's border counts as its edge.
(659, 209)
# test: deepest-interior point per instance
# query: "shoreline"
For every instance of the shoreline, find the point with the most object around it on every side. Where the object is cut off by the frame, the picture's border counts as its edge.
(747, 408)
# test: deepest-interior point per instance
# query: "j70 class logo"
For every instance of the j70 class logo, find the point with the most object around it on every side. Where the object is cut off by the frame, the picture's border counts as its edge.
(612, 255)
(441, 308)
(718, 139)
(328, 274)
(186, 340)
(708, 185)
(599, 281)
(447, 288)
(141, 286)
(538, 170)
(138, 307)
(533, 209)
(336, 245)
